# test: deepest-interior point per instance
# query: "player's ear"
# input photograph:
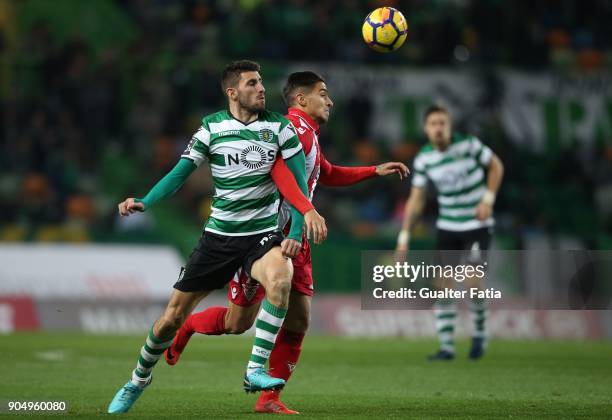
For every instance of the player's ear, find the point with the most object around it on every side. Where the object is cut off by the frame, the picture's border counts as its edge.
(231, 93)
(300, 99)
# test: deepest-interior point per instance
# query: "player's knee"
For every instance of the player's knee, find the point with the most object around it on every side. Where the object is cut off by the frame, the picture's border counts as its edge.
(280, 287)
(279, 277)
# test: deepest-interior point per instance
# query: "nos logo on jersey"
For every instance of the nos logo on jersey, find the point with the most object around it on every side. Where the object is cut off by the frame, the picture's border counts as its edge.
(266, 135)
(253, 157)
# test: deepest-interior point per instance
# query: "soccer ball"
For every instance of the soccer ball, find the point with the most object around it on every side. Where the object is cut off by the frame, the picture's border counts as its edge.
(385, 29)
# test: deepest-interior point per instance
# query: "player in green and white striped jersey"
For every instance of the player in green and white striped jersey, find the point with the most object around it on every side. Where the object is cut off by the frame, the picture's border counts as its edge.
(241, 156)
(467, 176)
(241, 144)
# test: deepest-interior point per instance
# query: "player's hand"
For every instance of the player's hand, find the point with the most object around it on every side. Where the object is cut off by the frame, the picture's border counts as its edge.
(483, 211)
(315, 226)
(129, 206)
(390, 168)
(290, 248)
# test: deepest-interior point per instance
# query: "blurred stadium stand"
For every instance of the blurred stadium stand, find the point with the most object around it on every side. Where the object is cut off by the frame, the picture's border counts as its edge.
(99, 98)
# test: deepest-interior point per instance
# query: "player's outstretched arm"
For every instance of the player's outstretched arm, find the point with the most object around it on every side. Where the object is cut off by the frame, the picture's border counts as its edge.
(413, 210)
(484, 210)
(340, 176)
(166, 186)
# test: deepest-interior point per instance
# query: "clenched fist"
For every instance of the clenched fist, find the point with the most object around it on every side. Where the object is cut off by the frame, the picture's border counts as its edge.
(129, 206)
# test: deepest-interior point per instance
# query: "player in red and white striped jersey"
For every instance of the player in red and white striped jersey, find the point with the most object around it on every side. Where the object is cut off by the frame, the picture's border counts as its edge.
(310, 105)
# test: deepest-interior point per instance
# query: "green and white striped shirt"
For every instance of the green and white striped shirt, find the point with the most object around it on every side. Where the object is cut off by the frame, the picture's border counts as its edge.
(241, 157)
(459, 178)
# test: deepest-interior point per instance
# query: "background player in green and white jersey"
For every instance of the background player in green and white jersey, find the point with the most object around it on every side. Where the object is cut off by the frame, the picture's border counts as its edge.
(467, 176)
(241, 144)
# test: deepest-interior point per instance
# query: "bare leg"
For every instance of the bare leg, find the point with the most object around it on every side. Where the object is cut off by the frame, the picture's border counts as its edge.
(179, 307)
(298, 315)
(274, 273)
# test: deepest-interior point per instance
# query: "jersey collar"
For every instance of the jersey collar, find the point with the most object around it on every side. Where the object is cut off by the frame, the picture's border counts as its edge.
(299, 113)
(229, 113)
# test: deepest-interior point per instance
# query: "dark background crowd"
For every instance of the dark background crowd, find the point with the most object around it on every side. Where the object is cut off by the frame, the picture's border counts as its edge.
(99, 98)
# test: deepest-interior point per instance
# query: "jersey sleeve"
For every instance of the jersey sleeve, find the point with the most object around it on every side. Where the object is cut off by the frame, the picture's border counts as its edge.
(419, 177)
(481, 152)
(170, 183)
(288, 187)
(339, 176)
(288, 141)
(197, 149)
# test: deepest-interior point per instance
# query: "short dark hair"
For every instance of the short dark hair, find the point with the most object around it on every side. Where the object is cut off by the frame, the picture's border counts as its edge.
(297, 80)
(232, 72)
(432, 109)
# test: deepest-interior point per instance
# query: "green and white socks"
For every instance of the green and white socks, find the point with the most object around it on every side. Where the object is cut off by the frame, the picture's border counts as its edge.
(150, 353)
(269, 321)
(479, 311)
(446, 316)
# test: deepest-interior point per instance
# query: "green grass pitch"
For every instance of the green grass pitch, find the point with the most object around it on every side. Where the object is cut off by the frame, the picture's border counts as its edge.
(337, 377)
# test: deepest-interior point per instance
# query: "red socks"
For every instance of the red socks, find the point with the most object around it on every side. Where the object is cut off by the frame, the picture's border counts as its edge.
(210, 321)
(286, 353)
